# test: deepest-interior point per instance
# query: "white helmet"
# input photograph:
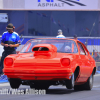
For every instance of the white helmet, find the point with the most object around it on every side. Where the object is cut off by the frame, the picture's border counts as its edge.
(59, 31)
(67, 47)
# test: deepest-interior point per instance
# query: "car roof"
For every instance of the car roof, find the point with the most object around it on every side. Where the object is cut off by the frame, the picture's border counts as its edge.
(57, 39)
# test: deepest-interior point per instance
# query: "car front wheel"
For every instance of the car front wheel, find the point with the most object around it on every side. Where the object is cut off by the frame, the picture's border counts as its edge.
(89, 83)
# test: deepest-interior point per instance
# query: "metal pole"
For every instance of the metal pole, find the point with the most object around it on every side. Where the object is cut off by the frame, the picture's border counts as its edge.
(26, 23)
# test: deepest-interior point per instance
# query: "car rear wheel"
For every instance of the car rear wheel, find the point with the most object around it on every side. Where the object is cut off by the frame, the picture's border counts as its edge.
(70, 83)
(14, 83)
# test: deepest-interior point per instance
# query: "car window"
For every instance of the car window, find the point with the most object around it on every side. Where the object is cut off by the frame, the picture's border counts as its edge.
(86, 51)
(26, 47)
(74, 48)
(58, 45)
(82, 52)
(61, 44)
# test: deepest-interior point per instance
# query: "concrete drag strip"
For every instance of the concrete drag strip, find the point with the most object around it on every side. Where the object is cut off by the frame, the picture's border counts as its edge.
(97, 86)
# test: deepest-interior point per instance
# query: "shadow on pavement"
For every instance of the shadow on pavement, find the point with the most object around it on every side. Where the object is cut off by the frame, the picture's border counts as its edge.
(61, 91)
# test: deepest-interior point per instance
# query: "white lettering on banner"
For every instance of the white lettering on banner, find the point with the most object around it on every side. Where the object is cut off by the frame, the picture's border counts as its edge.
(22, 92)
(61, 4)
(51, 4)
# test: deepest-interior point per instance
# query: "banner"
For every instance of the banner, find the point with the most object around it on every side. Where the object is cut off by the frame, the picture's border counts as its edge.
(3, 17)
(62, 4)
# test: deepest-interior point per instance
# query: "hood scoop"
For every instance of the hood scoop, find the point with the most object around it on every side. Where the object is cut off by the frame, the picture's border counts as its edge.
(44, 49)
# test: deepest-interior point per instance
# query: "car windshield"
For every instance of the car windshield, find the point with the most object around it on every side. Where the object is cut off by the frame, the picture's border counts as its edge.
(63, 45)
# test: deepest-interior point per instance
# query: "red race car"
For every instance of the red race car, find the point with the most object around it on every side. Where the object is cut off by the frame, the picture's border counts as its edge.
(51, 61)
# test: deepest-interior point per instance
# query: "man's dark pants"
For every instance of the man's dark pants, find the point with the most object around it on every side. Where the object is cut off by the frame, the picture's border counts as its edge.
(5, 54)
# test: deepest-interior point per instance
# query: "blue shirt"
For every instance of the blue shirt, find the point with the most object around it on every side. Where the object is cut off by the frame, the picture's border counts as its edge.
(10, 38)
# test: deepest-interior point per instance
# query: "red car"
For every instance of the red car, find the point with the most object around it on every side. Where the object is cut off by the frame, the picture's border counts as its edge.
(51, 61)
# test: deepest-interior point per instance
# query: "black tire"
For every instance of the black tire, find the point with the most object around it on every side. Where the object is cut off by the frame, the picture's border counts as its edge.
(79, 87)
(70, 83)
(89, 84)
(14, 83)
(32, 85)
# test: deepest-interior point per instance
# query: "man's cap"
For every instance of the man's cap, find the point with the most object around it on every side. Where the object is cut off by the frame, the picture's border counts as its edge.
(59, 31)
(10, 26)
(75, 36)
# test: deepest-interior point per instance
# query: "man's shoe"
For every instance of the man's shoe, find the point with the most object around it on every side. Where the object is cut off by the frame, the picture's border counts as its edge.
(3, 77)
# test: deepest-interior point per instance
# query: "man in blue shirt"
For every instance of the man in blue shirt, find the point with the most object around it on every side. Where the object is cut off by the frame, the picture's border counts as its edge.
(60, 34)
(10, 41)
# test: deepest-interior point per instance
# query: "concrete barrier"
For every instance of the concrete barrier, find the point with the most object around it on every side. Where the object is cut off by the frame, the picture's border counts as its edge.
(1, 50)
(98, 66)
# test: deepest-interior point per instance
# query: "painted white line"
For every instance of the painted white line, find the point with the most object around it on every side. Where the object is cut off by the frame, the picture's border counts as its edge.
(58, 87)
(4, 84)
(96, 86)
(97, 75)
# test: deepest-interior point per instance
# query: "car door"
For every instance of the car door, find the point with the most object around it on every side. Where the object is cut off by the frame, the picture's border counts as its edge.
(85, 60)
(89, 61)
